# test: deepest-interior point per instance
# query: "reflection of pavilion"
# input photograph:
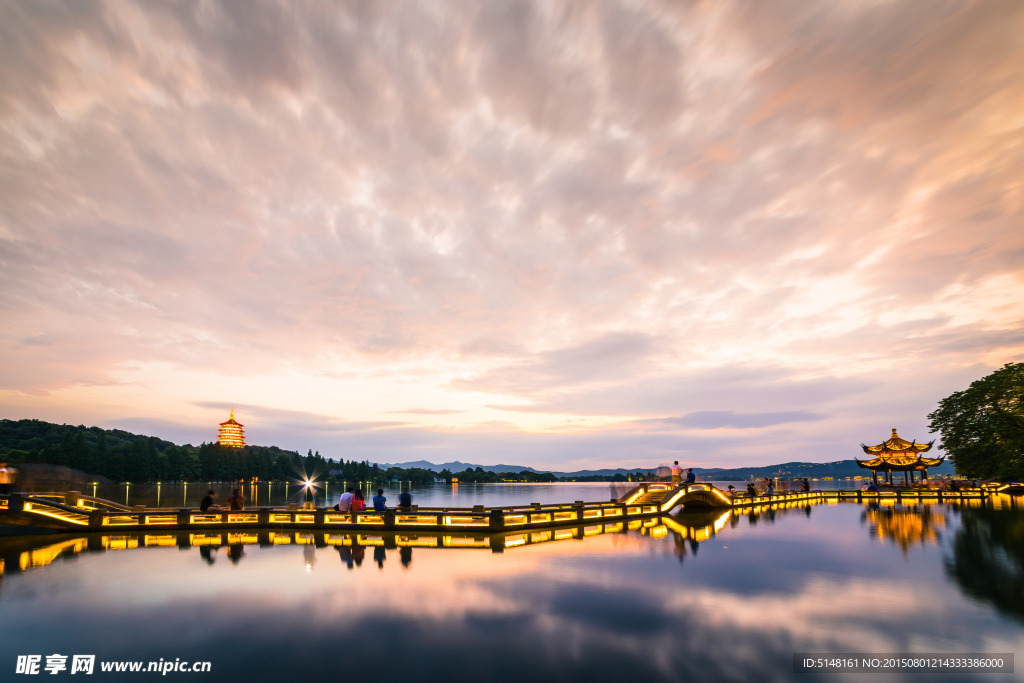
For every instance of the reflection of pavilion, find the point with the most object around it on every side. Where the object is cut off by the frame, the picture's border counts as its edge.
(899, 455)
(906, 526)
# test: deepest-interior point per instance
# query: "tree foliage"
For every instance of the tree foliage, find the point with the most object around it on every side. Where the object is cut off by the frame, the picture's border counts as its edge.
(982, 426)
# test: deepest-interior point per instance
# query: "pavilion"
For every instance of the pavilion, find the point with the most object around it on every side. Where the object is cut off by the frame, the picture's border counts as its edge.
(899, 455)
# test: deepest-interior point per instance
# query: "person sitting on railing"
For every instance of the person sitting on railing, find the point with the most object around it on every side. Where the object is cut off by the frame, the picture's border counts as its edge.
(236, 501)
(770, 488)
(806, 486)
(207, 505)
(380, 503)
(344, 503)
(405, 500)
(690, 476)
(732, 490)
(359, 501)
(873, 487)
(751, 491)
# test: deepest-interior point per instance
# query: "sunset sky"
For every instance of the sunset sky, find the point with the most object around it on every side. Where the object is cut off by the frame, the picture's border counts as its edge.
(562, 235)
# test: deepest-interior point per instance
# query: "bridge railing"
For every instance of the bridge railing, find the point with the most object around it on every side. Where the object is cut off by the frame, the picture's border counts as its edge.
(86, 513)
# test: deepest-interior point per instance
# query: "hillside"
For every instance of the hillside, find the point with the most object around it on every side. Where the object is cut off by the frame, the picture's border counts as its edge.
(123, 456)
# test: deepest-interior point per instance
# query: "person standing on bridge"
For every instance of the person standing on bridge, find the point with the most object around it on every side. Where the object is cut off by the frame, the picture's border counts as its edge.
(6, 477)
(677, 474)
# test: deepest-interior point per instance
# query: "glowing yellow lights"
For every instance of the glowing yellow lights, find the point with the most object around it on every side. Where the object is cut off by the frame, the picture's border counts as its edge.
(168, 541)
(123, 543)
(56, 513)
(231, 433)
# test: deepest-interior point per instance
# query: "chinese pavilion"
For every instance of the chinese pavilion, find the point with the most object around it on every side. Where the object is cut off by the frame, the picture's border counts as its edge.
(231, 433)
(899, 455)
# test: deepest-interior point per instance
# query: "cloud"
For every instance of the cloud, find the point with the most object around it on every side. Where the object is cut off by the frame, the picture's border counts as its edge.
(606, 357)
(719, 419)
(591, 210)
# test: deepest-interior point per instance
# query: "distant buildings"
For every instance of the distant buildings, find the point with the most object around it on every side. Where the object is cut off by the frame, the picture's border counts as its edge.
(231, 433)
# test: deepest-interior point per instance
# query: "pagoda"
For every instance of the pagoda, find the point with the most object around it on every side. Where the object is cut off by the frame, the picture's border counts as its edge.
(899, 455)
(231, 433)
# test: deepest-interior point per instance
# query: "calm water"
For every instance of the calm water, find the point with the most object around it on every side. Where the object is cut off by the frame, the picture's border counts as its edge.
(689, 597)
(461, 495)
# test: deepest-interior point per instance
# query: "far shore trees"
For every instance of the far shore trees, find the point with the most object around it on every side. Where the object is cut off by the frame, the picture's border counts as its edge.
(982, 426)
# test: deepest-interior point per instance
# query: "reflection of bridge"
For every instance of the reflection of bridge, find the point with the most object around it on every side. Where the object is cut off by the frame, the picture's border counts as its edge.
(72, 511)
(20, 553)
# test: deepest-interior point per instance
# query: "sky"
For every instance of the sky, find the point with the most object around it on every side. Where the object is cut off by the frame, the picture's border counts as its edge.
(559, 235)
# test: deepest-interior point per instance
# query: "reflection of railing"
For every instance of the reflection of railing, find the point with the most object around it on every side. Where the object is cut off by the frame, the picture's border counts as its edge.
(30, 552)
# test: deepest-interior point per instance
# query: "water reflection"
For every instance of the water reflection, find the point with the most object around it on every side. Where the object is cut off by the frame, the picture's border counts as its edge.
(26, 552)
(596, 603)
(905, 526)
(987, 561)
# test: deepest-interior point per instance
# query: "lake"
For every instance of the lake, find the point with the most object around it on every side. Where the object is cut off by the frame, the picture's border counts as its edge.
(705, 596)
(460, 495)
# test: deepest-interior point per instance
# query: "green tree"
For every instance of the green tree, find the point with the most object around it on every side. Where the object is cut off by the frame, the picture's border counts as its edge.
(982, 426)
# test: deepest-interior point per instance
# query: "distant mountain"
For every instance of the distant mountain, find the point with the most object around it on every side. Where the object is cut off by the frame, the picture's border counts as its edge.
(838, 469)
(456, 466)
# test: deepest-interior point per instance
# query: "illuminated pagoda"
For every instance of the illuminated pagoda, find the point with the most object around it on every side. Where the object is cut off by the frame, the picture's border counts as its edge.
(899, 455)
(231, 433)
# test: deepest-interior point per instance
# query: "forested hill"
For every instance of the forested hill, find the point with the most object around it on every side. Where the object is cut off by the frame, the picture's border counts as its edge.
(123, 456)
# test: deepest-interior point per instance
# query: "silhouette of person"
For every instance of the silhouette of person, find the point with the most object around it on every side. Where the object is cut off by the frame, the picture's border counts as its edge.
(236, 552)
(208, 553)
(345, 552)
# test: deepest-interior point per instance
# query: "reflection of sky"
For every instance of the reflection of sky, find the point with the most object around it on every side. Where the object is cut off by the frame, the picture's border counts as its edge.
(608, 606)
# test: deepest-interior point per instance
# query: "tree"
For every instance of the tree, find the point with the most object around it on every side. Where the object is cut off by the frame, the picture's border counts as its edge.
(982, 426)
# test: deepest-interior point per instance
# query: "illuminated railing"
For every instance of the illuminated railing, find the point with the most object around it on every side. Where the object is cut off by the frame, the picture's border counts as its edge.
(646, 500)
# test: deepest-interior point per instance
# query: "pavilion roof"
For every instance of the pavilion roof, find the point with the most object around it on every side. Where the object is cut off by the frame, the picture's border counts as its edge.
(899, 454)
(894, 445)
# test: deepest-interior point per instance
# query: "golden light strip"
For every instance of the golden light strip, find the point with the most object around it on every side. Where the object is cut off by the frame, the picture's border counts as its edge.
(639, 492)
(64, 517)
(159, 541)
